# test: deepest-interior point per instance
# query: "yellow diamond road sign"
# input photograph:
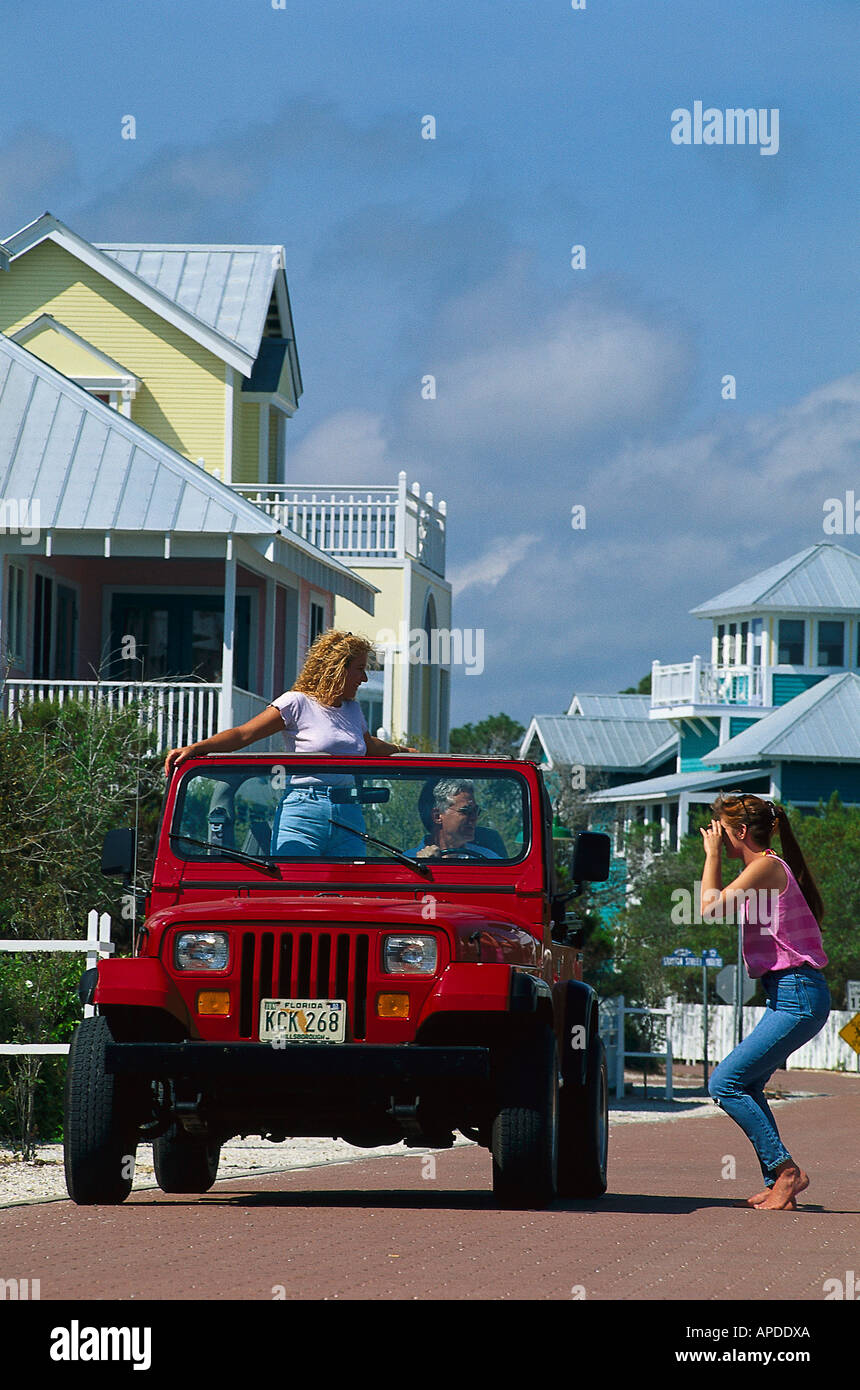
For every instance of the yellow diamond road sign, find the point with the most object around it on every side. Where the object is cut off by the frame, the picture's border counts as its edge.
(851, 1032)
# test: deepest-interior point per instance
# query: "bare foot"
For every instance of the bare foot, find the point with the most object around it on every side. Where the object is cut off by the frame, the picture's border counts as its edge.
(790, 1180)
(762, 1196)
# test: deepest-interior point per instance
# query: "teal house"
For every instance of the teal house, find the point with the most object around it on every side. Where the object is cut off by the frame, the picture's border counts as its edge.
(773, 707)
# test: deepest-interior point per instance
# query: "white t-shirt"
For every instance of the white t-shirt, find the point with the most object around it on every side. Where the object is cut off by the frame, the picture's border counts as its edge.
(310, 727)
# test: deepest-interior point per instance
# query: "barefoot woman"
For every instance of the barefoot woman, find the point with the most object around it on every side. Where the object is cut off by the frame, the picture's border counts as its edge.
(781, 946)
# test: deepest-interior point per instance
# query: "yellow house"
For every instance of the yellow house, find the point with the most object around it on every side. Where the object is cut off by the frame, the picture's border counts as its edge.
(193, 343)
(196, 345)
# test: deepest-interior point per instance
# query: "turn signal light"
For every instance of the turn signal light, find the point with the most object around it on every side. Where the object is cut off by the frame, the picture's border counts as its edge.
(213, 1001)
(392, 1005)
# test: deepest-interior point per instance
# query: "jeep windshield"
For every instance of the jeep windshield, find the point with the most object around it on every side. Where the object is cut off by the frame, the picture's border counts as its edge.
(336, 813)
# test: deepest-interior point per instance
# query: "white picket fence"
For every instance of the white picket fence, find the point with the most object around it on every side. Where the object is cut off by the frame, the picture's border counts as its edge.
(97, 943)
(825, 1052)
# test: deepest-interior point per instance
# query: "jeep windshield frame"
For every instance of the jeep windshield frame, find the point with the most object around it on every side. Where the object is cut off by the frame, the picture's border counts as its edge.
(233, 803)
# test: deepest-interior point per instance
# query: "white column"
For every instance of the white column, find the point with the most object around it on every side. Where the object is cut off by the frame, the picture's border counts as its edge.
(269, 649)
(225, 711)
(766, 693)
(403, 638)
(388, 691)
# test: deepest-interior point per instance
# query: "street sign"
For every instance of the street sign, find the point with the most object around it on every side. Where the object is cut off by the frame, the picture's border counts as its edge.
(683, 956)
(851, 1033)
(726, 983)
(852, 990)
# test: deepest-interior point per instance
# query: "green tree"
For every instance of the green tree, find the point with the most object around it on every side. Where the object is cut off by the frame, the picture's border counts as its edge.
(498, 736)
(68, 773)
(653, 923)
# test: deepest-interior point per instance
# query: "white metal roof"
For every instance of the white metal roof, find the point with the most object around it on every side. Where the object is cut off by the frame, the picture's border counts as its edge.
(229, 288)
(821, 724)
(658, 788)
(611, 706)
(823, 577)
(92, 469)
(230, 297)
(608, 743)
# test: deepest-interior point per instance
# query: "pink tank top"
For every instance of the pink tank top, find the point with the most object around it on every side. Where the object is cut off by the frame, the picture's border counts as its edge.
(779, 930)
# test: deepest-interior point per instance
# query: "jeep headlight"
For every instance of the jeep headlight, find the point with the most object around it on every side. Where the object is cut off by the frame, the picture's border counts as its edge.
(409, 955)
(201, 950)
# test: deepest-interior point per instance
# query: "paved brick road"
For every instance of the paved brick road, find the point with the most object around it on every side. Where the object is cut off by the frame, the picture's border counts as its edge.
(381, 1229)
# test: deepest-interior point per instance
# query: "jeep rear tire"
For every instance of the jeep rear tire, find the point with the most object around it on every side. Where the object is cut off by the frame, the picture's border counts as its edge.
(524, 1141)
(184, 1162)
(584, 1129)
(101, 1121)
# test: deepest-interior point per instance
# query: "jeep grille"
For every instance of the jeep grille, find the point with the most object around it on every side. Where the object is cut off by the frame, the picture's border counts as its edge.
(304, 965)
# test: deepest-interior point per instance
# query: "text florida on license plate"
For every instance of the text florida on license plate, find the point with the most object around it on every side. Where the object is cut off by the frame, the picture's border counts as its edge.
(304, 1020)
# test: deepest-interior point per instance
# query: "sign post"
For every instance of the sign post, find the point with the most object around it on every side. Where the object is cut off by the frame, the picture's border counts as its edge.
(709, 958)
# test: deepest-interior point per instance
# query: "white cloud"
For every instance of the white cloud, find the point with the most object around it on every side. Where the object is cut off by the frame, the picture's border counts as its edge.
(490, 568)
(349, 448)
(577, 370)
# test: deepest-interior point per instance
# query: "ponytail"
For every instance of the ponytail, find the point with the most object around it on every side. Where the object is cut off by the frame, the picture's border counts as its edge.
(793, 856)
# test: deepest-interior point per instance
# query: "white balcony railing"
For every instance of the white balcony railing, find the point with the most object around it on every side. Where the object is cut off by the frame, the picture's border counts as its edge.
(355, 524)
(176, 712)
(699, 682)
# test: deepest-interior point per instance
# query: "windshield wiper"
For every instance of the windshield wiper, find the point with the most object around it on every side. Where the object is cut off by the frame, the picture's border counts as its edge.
(268, 865)
(417, 864)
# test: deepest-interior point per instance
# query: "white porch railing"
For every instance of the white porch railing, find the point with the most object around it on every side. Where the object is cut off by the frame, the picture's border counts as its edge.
(699, 682)
(176, 712)
(354, 524)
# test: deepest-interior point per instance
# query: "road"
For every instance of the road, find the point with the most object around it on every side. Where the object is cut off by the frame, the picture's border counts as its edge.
(425, 1228)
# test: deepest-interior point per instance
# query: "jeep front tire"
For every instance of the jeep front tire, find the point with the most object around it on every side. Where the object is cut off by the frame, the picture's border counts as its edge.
(100, 1127)
(524, 1141)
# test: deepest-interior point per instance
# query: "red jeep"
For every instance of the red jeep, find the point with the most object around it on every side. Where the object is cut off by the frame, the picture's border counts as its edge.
(406, 972)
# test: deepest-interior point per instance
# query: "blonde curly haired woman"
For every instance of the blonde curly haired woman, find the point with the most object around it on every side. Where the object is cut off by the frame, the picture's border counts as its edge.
(320, 714)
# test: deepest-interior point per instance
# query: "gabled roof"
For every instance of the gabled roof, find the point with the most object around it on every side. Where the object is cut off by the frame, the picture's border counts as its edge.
(611, 706)
(613, 744)
(47, 322)
(229, 288)
(217, 295)
(823, 577)
(822, 724)
(92, 469)
(675, 783)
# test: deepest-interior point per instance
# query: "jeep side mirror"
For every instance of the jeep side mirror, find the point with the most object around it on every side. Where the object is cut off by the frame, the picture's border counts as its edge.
(118, 852)
(591, 857)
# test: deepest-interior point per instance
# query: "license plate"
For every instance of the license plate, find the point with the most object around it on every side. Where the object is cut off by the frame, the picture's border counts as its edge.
(303, 1020)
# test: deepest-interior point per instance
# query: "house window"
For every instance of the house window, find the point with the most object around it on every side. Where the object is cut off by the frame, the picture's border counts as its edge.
(16, 613)
(176, 636)
(316, 624)
(55, 626)
(791, 641)
(831, 644)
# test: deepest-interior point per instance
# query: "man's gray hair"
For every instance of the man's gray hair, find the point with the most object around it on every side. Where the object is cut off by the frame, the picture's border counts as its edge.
(445, 791)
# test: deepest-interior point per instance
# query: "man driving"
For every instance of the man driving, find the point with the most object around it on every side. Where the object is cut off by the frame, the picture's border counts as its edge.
(453, 821)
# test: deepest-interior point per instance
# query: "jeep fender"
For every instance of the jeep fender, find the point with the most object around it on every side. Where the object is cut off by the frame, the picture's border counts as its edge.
(138, 984)
(576, 1021)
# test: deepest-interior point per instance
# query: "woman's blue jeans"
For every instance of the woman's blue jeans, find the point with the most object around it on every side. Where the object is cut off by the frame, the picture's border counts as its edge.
(303, 826)
(798, 1003)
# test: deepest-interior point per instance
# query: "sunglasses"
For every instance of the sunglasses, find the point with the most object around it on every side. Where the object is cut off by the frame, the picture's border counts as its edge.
(739, 796)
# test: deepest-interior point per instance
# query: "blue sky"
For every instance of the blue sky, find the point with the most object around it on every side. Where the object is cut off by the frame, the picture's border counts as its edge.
(555, 386)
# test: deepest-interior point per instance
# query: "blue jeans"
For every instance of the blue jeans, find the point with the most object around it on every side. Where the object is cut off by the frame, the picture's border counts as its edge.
(303, 826)
(798, 1003)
